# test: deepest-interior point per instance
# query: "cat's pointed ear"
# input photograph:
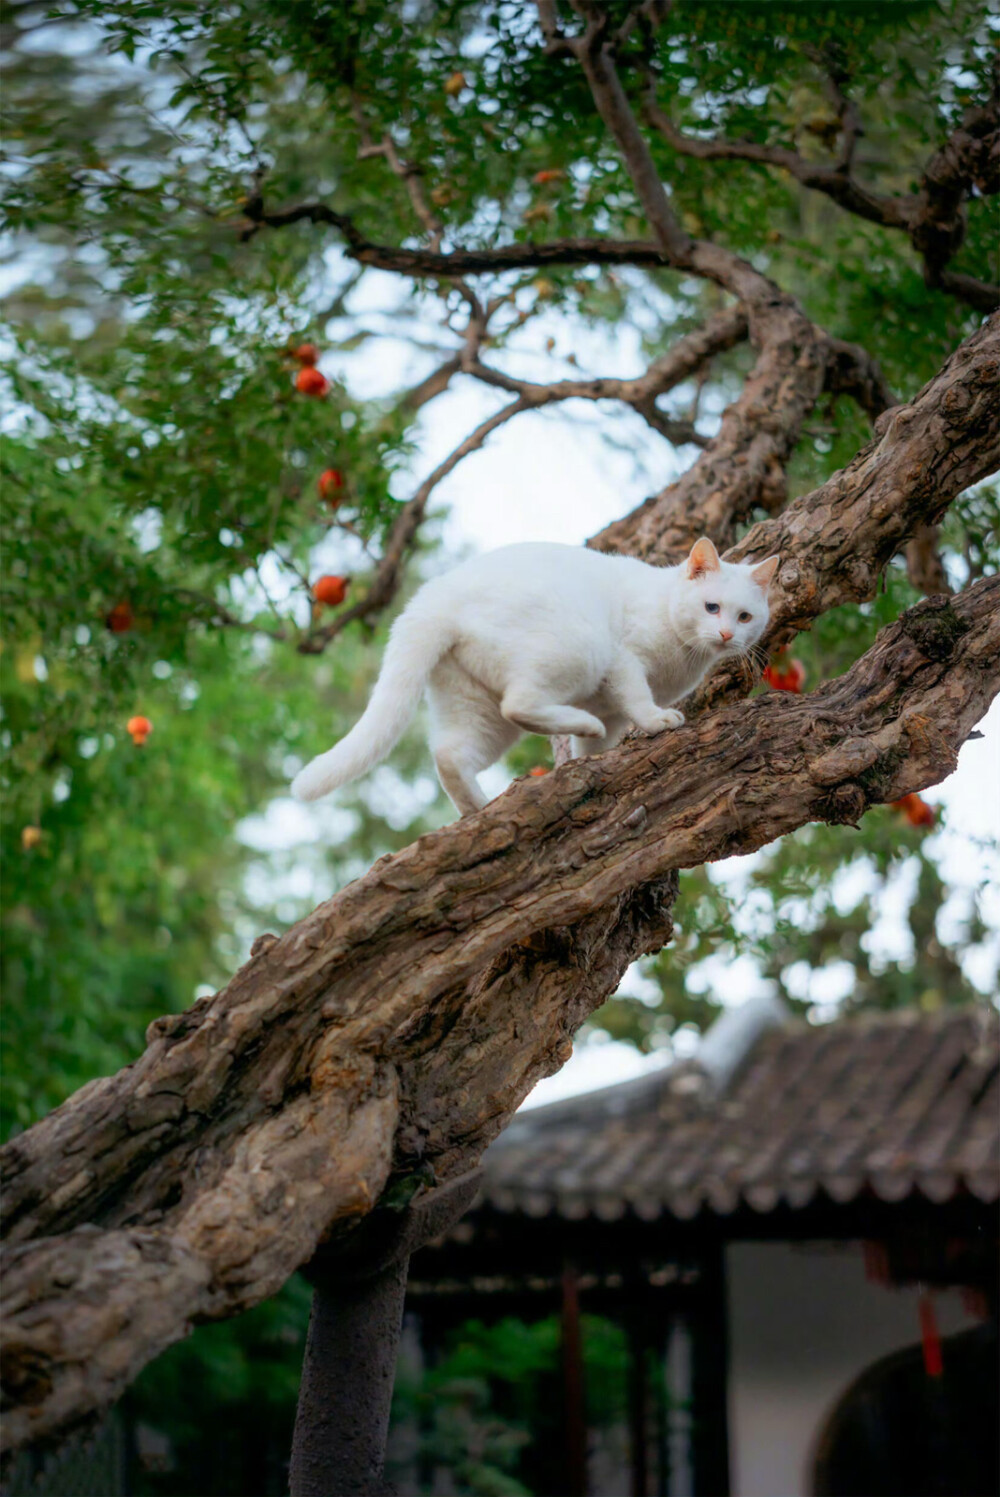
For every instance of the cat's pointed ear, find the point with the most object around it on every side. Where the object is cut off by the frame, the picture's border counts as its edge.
(763, 572)
(704, 558)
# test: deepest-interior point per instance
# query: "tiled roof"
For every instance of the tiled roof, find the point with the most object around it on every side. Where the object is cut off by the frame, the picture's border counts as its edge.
(890, 1103)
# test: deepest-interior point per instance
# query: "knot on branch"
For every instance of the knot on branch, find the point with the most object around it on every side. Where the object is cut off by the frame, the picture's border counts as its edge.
(934, 627)
(845, 805)
(25, 1375)
(649, 909)
(891, 421)
(176, 1026)
(843, 762)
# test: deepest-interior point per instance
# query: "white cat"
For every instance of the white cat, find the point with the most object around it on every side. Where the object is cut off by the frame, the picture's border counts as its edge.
(548, 639)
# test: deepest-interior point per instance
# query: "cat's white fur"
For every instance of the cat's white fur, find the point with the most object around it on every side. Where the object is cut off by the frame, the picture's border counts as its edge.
(547, 639)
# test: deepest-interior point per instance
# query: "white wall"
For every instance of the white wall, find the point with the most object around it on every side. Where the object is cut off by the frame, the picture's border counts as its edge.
(803, 1322)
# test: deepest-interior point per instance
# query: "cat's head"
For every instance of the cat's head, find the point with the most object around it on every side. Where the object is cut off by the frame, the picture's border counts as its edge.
(722, 608)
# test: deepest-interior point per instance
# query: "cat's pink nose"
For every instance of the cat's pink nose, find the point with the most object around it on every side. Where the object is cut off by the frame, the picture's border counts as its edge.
(725, 635)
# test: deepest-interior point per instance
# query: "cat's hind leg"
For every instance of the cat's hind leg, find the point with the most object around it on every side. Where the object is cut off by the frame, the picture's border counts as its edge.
(458, 778)
(467, 735)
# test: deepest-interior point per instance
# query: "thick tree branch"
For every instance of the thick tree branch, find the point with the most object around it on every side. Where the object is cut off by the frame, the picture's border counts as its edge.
(923, 455)
(743, 466)
(839, 539)
(192, 1183)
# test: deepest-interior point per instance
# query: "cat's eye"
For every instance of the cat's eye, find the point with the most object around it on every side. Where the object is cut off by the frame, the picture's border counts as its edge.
(745, 618)
(711, 607)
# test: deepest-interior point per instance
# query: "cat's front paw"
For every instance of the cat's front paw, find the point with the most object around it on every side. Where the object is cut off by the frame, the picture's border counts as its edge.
(658, 722)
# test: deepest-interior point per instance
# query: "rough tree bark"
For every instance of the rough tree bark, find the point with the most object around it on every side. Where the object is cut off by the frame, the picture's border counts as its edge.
(377, 1048)
(389, 1036)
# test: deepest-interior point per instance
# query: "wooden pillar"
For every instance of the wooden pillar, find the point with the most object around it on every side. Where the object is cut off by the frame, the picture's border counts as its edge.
(710, 1377)
(574, 1412)
(661, 1337)
(638, 1400)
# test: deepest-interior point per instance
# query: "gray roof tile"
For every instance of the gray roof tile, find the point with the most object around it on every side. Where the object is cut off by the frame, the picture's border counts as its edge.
(893, 1103)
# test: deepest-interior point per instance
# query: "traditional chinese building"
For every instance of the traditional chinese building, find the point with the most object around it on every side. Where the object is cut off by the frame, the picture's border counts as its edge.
(797, 1229)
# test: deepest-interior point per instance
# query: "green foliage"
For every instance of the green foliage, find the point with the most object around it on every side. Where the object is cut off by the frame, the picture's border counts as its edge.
(221, 1405)
(489, 1408)
(158, 456)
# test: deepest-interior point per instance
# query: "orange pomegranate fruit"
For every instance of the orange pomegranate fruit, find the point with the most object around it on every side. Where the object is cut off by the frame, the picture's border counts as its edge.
(916, 810)
(139, 729)
(121, 618)
(306, 353)
(330, 483)
(330, 590)
(784, 673)
(310, 381)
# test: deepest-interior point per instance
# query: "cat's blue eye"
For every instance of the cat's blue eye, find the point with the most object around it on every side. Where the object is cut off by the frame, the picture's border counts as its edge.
(711, 607)
(745, 618)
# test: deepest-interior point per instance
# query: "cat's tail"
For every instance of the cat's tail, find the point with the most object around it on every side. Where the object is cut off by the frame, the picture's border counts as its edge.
(410, 656)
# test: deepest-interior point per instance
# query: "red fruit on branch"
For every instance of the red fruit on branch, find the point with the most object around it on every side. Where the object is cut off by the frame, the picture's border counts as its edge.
(306, 353)
(121, 618)
(915, 809)
(539, 769)
(139, 728)
(785, 674)
(550, 174)
(309, 381)
(330, 590)
(330, 483)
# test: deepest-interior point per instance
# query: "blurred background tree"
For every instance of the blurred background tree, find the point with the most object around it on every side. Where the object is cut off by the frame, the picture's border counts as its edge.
(171, 496)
